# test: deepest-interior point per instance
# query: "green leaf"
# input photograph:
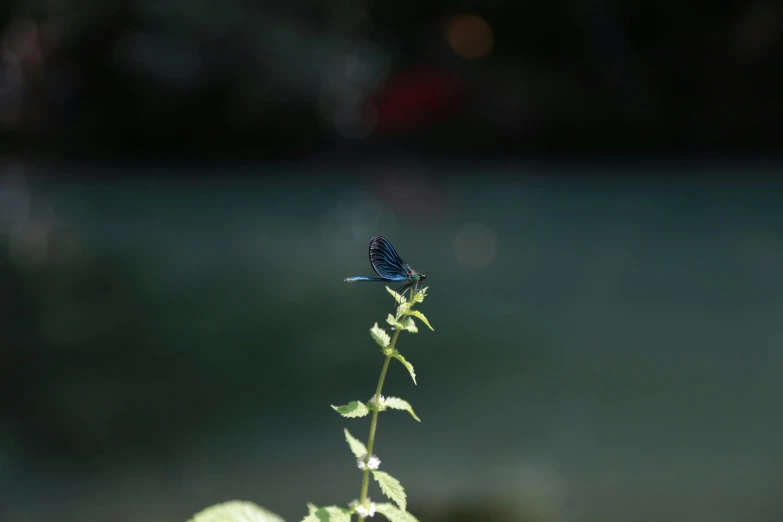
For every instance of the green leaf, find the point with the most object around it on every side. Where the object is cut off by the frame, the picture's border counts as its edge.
(419, 296)
(327, 514)
(409, 366)
(380, 336)
(397, 297)
(338, 514)
(357, 447)
(235, 511)
(391, 487)
(410, 325)
(421, 317)
(403, 309)
(400, 404)
(393, 513)
(394, 322)
(352, 409)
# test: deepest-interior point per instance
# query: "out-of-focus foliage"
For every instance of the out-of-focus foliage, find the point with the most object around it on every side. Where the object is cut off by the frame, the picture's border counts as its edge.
(232, 79)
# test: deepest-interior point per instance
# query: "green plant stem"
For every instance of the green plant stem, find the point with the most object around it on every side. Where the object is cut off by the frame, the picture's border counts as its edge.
(374, 421)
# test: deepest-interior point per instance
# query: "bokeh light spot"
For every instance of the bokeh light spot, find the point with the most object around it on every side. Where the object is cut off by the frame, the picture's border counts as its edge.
(475, 246)
(469, 36)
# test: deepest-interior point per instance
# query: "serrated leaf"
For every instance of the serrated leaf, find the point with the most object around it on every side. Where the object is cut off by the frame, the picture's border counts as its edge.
(400, 404)
(352, 410)
(357, 447)
(235, 511)
(402, 310)
(391, 487)
(311, 513)
(410, 325)
(421, 317)
(338, 514)
(394, 322)
(419, 296)
(397, 297)
(409, 366)
(393, 513)
(329, 514)
(380, 336)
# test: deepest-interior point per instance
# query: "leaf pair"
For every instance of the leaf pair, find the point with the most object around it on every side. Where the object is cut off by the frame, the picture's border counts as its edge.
(356, 409)
(404, 310)
(239, 511)
(390, 486)
(338, 514)
(382, 338)
(409, 325)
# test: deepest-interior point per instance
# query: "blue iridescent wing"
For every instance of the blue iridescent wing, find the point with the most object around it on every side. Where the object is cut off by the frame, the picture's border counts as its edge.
(386, 262)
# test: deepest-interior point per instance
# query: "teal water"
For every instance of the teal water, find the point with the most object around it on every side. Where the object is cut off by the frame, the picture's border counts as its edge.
(604, 349)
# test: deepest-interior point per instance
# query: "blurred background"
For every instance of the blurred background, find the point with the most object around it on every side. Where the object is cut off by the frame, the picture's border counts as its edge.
(592, 189)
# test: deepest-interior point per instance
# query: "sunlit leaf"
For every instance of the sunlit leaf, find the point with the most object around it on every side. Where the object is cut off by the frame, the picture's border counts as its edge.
(328, 514)
(410, 325)
(235, 511)
(402, 310)
(380, 336)
(391, 487)
(357, 447)
(400, 404)
(393, 513)
(419, 296)
(394, 322)
(421, 317)
(352, 409)
(407, 365)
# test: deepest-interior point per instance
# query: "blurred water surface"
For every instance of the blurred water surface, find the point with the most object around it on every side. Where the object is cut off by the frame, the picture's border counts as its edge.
(605, 347)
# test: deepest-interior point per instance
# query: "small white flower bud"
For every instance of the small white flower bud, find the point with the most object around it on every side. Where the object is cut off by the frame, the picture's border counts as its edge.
(365, 510)
(373, 462)
(368, 462)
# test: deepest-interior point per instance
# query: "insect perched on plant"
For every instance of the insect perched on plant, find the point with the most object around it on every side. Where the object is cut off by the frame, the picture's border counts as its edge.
(388, 264)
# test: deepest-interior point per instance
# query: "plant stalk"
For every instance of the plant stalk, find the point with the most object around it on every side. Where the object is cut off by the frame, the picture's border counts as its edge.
(374, 421)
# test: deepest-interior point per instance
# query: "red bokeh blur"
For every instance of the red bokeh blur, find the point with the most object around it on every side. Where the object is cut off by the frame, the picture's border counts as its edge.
(416, 97)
